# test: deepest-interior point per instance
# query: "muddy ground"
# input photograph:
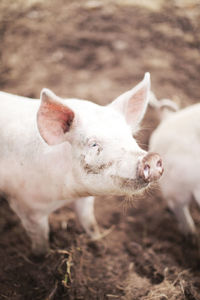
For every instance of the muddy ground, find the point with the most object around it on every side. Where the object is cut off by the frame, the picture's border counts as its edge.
(97, 50)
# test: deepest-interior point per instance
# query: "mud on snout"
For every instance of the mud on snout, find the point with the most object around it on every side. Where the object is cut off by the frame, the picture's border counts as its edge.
(149, 170)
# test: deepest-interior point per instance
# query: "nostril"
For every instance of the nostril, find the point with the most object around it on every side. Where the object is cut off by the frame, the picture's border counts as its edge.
(159, 163)
(146, 171)
(159, 166)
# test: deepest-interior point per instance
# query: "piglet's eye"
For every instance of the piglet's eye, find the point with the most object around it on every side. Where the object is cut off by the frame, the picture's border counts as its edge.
(94, 145)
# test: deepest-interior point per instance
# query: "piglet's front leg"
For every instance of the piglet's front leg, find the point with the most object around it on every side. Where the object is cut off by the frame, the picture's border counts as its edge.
(36, 225)
(37, 228)
(85, 211)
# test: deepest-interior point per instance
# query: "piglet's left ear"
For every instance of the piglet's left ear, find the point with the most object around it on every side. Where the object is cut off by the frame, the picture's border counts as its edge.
(133, 104)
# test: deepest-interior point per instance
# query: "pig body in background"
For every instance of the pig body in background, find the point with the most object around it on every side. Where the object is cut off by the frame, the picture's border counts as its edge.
(56, 151)
(177, 140)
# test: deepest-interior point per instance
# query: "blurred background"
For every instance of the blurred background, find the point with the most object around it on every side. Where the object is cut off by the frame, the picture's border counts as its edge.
(96, 50)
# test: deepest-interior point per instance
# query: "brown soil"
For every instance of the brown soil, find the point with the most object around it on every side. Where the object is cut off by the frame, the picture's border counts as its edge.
(96, 50)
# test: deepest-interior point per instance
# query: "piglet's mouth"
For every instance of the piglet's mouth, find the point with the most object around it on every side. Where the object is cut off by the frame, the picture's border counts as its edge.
(130, 185)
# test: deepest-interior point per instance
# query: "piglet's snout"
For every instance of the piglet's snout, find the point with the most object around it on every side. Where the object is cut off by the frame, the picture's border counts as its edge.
(150, 167)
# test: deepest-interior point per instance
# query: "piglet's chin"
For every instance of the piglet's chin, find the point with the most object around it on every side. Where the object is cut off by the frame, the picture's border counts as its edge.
(128, 186)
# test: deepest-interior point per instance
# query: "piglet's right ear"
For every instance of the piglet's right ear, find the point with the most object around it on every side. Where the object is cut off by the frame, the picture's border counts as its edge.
(54, 118)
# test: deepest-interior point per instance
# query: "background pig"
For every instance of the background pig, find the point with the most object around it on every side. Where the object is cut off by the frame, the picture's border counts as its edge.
(177, 139)
(57, 151)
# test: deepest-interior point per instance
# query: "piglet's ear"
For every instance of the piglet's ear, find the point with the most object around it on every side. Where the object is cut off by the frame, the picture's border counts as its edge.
(133, 103)
(54, 118)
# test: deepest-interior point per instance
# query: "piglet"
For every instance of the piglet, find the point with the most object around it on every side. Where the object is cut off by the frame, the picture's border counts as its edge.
(55, 151)
(177, 140)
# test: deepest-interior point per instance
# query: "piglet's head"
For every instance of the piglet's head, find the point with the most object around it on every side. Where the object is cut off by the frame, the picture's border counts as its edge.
(54, 118)
(106, 157)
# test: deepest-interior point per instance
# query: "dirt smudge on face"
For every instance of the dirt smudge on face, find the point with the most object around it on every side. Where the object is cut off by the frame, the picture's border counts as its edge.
(94, 169)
